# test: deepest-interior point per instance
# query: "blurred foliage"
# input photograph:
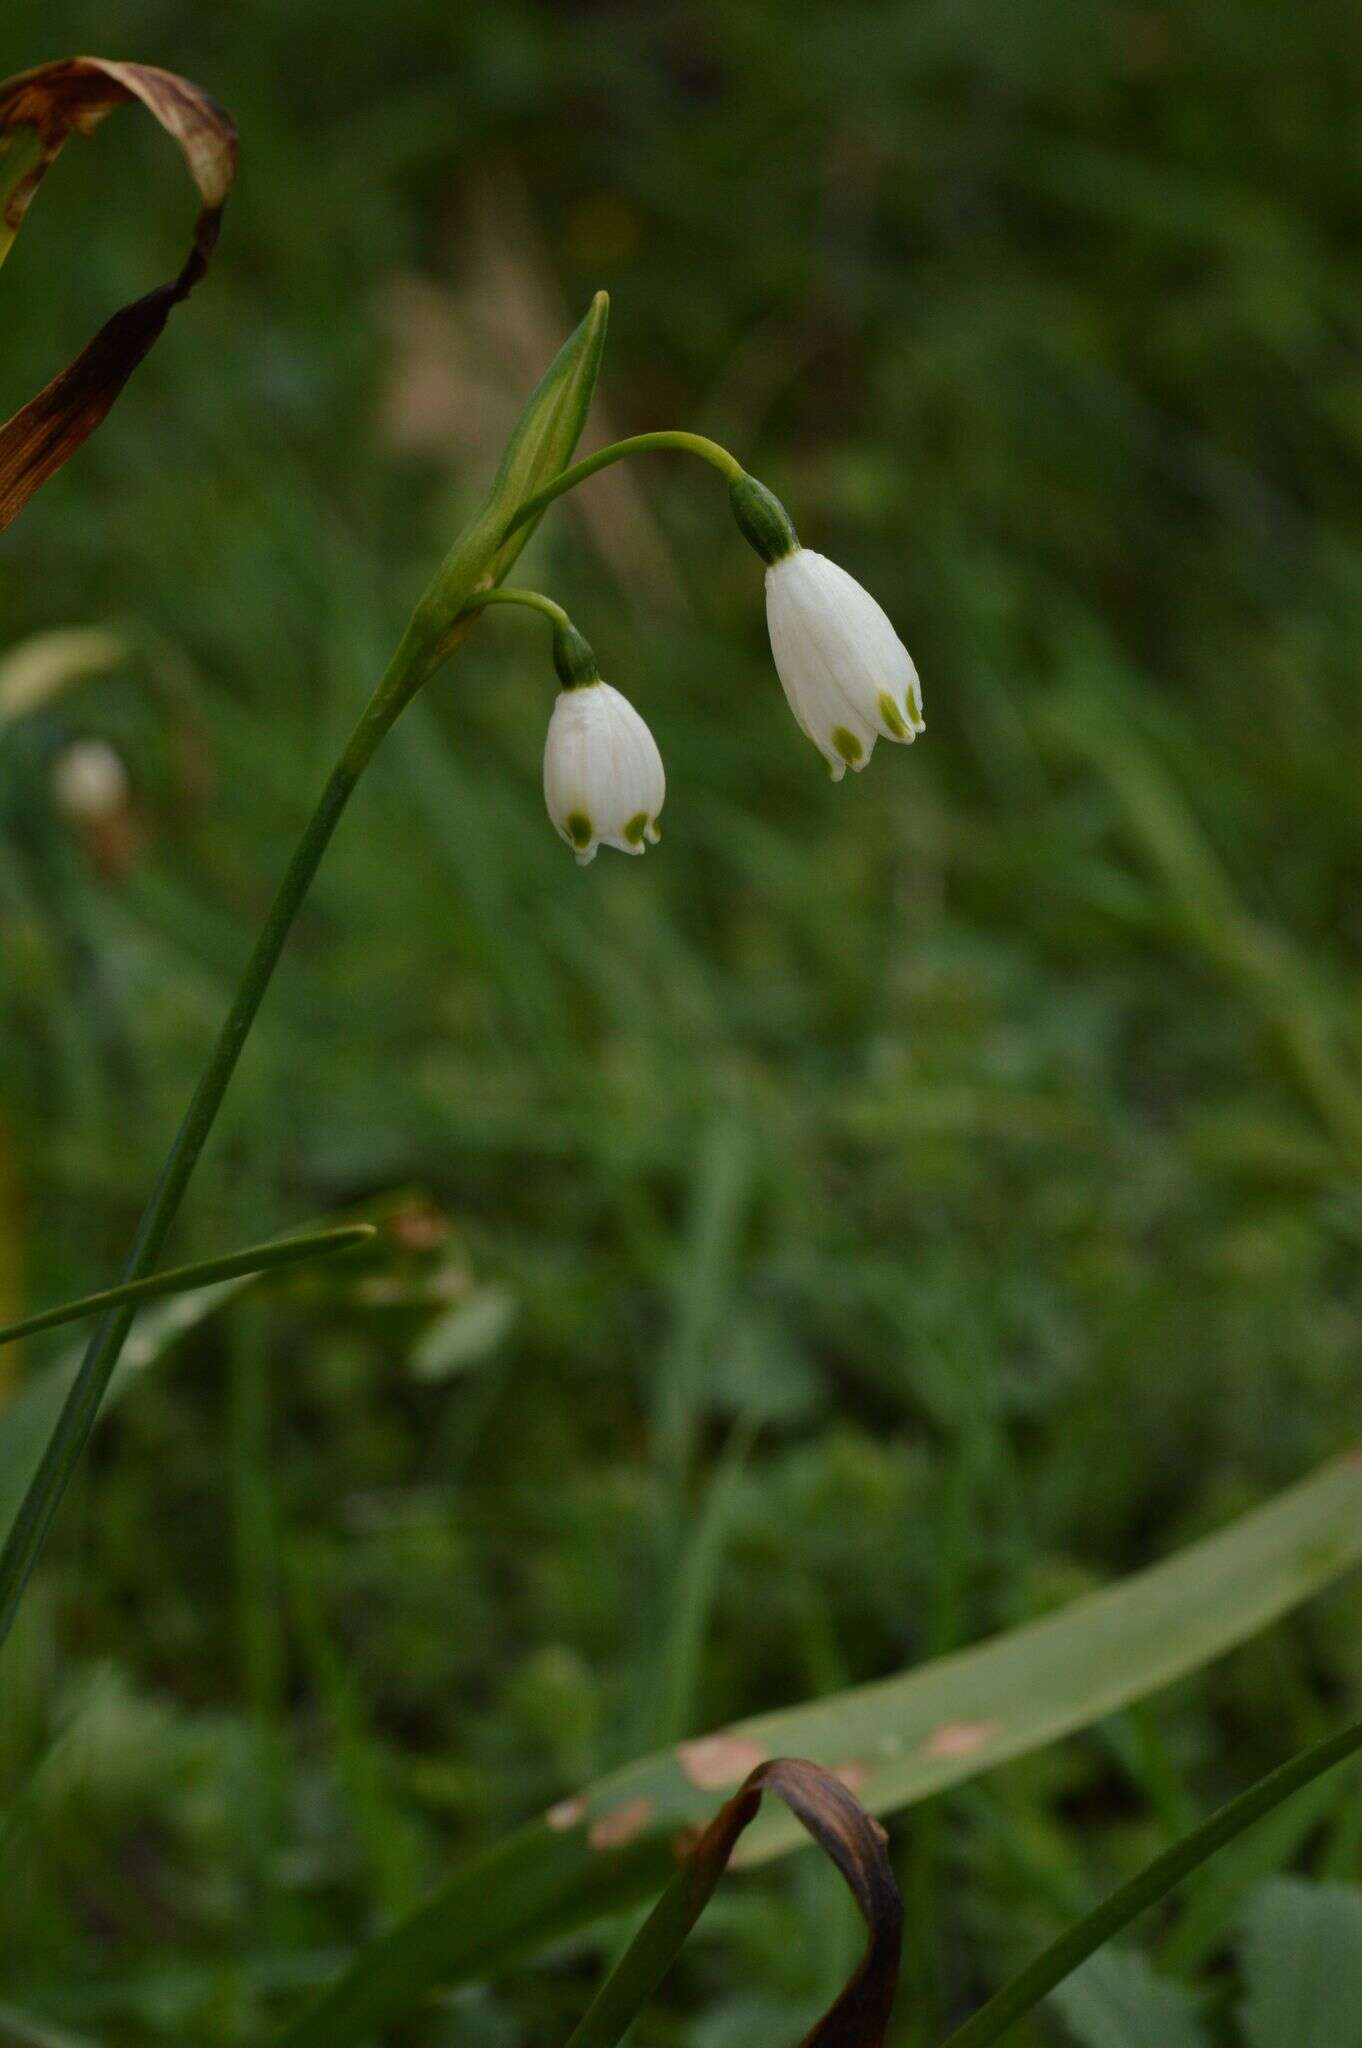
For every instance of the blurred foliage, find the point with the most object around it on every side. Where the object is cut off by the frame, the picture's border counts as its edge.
(880, 1213)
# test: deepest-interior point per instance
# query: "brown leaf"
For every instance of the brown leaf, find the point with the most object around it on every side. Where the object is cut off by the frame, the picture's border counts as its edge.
(858, 1846)
(40, 109)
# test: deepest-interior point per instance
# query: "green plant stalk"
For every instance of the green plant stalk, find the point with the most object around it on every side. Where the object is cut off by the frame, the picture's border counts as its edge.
(637, 444)
(256, 1258)
(545, 435)
(67, 1441)
(533, 600)
(1078, 1942)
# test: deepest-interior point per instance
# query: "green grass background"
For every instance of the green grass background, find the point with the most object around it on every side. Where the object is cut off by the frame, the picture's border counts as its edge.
(882, 1212)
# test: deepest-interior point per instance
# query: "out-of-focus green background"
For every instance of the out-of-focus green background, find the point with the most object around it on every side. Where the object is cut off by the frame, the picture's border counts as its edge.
(972, 1150)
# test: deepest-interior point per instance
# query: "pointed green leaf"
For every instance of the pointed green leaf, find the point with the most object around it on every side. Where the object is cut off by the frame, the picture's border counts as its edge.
(545, 435)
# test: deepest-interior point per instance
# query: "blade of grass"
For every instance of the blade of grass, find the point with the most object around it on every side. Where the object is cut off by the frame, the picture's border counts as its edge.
(256, 1258)
(898, 1741)
(1213, 1906)
(1063, 1956)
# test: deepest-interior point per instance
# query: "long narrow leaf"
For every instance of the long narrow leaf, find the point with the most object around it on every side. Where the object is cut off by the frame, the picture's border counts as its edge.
(256, 1258)
(39, 110)
(895, 1742)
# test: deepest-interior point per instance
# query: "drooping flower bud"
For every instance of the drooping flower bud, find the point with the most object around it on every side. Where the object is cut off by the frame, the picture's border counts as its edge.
(603, 778)
(848, 677)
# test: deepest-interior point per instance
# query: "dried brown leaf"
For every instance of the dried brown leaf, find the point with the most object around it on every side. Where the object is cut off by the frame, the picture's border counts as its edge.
(857, 1844)
(39, 110)
(841, 1827)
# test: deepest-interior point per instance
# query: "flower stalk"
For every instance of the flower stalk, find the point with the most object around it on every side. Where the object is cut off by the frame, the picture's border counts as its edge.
(846, 674)
(543, 440)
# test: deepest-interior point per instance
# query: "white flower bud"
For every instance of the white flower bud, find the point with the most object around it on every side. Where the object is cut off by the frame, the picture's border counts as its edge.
(847, 675)
(603, 777)
(89, 782)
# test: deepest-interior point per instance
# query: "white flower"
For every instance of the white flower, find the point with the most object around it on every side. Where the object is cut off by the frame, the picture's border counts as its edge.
(89, 782)
(847, 675)
(603, 778)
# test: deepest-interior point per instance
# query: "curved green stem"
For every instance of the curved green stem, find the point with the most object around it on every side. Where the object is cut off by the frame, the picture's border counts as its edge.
(410, 666)
(1077, 1943)
(533, 600)
(255, 1258)
(637, 444)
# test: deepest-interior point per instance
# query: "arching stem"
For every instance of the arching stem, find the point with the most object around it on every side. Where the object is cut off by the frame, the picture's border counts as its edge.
(637, 444)
(533, 600)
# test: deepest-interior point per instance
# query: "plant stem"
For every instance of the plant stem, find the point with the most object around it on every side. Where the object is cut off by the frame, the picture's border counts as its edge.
(534, 600)
(1078, 1942)
(637, 444)
(412, 663)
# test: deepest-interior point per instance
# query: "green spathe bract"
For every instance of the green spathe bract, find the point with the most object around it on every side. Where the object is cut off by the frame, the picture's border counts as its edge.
(545, 435)
(544, 438)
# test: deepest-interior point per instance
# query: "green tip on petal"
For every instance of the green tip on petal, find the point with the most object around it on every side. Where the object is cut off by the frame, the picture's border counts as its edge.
(636, 828)
(847, 745)
(579, 829)
(893, 717)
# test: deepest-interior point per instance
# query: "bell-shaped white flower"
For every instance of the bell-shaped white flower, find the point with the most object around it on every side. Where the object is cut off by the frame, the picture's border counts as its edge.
(848, 677)
(603, 776)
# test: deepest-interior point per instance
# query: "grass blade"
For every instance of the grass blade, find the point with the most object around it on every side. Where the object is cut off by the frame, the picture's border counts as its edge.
(256, 1258)
(856, 1844)
(898, 1741)
(1062, 1957)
